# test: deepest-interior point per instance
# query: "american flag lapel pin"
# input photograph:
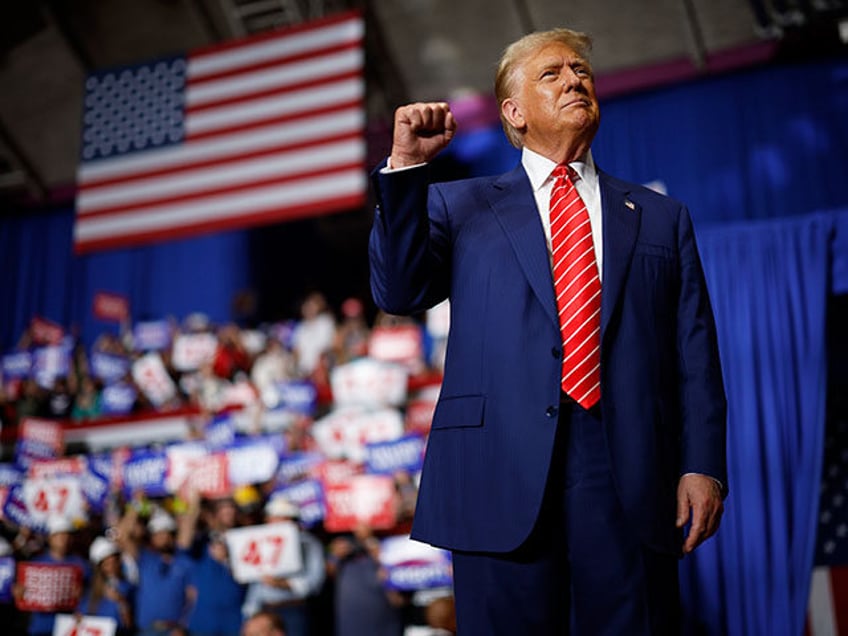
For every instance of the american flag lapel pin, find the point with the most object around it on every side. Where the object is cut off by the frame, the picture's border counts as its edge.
(630, 204)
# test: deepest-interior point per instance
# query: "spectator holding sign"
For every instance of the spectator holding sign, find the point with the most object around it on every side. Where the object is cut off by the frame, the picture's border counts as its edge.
(109, 594)
(162, 599)
(287, 596)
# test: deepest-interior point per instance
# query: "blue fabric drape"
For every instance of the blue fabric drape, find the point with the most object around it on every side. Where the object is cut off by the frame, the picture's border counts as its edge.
(769, 284)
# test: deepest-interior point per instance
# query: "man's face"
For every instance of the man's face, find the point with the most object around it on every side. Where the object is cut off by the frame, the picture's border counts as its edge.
(554, 104)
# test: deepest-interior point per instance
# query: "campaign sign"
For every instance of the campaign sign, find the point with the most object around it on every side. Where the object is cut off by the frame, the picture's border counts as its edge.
(109, 367)
(110, 307)
(118, 398)
(308, 495)
(17, 365)
(369, 499)
(297, 396)
(270, 549)
(95, 489)
(220, 432)
(45, 332)
(57, 496)
(368, 382)
(62, 467)
(48, 363)
(38, 439)
(297, 466)
(15, 508)
(411, 565)
(254, 460)
(386, 458)
(191, 351)
(7, 578)
(344, 432)
(336, 472)
(419, 415)
(48, 587)
(208, 475)
(10, 474)
(182, 459)
(146, 471)
(76, 625)
(153, 335)
(152, 378)
(398, 343)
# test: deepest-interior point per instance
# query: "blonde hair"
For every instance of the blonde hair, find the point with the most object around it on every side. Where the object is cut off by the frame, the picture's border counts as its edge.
(518, 52)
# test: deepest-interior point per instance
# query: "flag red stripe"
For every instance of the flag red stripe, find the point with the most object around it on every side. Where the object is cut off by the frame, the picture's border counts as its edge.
(287, 213)
(270, 63)
(270, 92)
(153, 203)
(260, 123)
(314, 25)
(839, 590)
(216, 161)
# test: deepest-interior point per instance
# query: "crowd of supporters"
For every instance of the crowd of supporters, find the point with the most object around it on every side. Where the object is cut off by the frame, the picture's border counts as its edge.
(157, 557)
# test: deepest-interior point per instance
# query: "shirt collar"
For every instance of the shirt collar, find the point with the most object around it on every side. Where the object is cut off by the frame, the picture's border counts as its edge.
(539, 168)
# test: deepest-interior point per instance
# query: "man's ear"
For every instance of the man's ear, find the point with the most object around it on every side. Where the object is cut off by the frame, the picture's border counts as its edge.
(511, 111)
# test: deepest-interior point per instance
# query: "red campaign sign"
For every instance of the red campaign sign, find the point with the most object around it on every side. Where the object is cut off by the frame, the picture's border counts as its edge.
(45, 432)
(209, 475)
(111, 307)
(368, 499)
(332, 473)
(46, 332)
(419, 415)
(48, 587)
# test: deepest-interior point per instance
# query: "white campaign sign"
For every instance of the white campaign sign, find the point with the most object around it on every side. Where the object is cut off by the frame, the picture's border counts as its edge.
(71, 625)
(193, 350)
(151, 377)
(271, 549)
(368, 382)
(61, 496)
(345, 432)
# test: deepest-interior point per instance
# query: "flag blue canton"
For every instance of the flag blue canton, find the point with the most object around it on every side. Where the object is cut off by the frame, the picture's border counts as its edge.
(134, 108)
(832, 539)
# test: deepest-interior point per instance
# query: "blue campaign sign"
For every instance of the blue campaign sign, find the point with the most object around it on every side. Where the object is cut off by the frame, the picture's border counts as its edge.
(404, 454)
(410, 565)
(295, 466)
(308, 495)
(95, 488)
(17, 365)
(297, 396)
(109, 367)
(7, 577)
(10, 475)
(49, 363)
(118, 399)
(154, 335)
(146, 470)
(220, 433)
(15, 508)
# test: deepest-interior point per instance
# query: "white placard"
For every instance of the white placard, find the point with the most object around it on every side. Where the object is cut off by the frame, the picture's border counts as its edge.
(369, 382)
(192, 350)
(345, 432)
(59, 496)
(152, 378)
(252, 464)
(182, 459)
(271, 549)
(74, 625)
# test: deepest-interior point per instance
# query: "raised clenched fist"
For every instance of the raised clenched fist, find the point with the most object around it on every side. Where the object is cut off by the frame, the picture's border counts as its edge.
(421, 132)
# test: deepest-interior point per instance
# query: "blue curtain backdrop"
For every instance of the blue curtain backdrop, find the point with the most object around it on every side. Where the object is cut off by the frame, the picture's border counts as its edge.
(769, 282)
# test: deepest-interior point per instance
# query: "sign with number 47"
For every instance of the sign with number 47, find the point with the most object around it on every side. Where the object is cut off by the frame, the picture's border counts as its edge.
(271, 549)
(71, 625)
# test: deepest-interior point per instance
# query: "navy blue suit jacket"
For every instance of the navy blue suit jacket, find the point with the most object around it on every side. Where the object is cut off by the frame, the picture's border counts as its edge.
(480, 243)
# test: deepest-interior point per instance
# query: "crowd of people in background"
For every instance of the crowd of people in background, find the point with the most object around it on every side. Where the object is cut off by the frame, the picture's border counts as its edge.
(159, 562)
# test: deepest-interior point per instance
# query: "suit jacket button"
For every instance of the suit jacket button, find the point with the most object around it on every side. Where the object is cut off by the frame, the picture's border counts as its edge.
(551, 411)
(556, 352)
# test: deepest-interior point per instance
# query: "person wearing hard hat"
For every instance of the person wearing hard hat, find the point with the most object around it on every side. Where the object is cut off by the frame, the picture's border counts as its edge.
(288, 596)
(109, 593)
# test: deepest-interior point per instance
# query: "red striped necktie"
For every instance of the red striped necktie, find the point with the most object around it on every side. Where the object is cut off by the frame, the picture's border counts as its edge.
(578, 290)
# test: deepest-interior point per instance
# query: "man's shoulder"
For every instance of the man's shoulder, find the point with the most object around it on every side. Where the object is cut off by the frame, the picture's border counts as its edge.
(481, 183)
(648, 195)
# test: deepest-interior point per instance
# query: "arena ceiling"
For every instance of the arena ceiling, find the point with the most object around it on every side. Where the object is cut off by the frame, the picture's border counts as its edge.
(416, 50)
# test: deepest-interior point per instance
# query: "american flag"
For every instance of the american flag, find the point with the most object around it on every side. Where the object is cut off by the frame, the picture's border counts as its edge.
(828, 609)
(254, 131)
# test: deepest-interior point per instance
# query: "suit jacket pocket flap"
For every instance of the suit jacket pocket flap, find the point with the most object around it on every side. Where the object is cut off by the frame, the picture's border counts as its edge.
(463, 411)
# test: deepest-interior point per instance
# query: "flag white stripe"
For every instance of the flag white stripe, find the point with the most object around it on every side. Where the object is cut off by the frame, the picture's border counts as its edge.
(253, 110)
(821, 611)
(306, 130)
(297, 193)
(275, 77)
(221, 175)
(294, 44)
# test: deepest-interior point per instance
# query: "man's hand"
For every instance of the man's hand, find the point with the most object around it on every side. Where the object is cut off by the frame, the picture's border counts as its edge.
(700, 495)
(421, 132)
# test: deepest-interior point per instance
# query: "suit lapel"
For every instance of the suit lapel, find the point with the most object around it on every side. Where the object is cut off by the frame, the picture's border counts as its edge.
(621, 218)
(511, 199)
